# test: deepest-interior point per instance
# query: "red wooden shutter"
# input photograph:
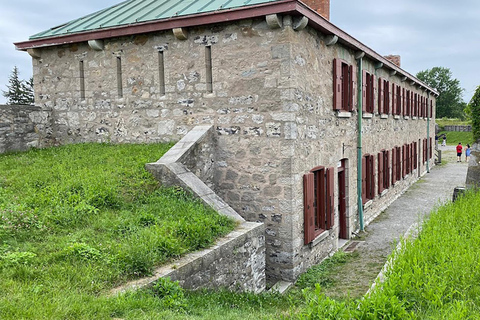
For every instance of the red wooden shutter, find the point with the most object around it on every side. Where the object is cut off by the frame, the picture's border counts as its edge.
(404, 160)
(380, 95)
(386, 97)
(337, 84)
(415, 155)
(308, 207)
(364, 180)
(352, 94)
(372, 176)
(380, 172)
(394, 100)
(394, 166)
(372, 97)
(330, 212)
(404, 111)
(364, 90)
(431, 108)
(386, 168)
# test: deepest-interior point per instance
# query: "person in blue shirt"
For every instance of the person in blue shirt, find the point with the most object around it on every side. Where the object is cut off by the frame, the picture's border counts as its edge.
(467, 153)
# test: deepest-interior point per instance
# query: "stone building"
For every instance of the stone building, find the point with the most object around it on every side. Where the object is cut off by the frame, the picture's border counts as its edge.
(316, 132)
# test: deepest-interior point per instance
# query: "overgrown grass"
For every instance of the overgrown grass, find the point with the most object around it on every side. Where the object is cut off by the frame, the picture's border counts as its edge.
(454, 137)
(79, 219)
(435, 277)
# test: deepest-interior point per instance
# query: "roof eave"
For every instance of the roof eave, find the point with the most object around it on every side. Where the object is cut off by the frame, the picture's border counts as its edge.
(280, 7)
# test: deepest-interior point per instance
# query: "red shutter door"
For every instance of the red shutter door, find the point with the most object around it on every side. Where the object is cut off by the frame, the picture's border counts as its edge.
(337, 84)
(330, 199)
(430, 149)
(364, 90)
(394, 166)
(371, 176)
(404, 106)
(404, 157)
(308, 207)
(394, 100)
(386, 169)
(364, 180)
(415, 155)
(380, 172)
(352, 94)
(380, 95)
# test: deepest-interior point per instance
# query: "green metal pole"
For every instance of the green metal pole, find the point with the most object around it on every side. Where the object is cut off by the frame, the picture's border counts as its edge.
(359, 141)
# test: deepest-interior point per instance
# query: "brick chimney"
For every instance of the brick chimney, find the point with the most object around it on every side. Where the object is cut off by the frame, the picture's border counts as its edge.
(395, 59)
(320, 6)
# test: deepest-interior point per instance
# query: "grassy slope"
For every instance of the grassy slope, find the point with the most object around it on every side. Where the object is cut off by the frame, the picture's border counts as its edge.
(79, 219)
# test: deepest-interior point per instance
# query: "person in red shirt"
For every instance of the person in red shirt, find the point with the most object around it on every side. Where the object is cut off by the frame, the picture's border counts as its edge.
(459, 152)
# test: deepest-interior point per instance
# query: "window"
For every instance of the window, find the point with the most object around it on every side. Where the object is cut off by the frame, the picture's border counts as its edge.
(161, 72)
(404, 102)
(398, 164)
(383, 170)
(408, 110)
(383, 96)
(399, 98)
(319, 210)
(82, 80)
(430, 149)
(415, 155)
(368, 178)
(368, 92)
(208, 63)
(404, 161)
(343, 86)
(394, 98)
(119, 78)
(415, 104)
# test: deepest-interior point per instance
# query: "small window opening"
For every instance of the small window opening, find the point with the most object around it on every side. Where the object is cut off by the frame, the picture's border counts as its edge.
(161, 72)
(119, 77)
(208, 63)
(82, 81)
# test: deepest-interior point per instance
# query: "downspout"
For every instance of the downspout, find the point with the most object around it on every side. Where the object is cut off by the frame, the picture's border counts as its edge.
(359, 56)
(428, 130)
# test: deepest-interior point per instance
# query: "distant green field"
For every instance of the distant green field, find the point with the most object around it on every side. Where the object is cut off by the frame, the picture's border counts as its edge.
(454, 137)
(451, 122)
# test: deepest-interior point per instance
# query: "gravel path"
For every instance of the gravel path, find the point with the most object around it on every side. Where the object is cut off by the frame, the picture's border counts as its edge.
(355, 277)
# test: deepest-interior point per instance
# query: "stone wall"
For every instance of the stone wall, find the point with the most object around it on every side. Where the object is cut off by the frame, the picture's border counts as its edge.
(458, 128)
(236, 262)
(270, 107)
(21, 127)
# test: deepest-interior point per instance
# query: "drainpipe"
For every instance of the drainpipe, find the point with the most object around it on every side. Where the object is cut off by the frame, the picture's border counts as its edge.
(428, 130)
(359, 56)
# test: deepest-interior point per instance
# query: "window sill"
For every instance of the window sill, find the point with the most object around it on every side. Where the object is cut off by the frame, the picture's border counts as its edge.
(367, 204)
(396, 117)
(367, 115)
(384, 116)
(319, 238)
(384, 192)
(406, 117)
(414, 118)
(344, 114)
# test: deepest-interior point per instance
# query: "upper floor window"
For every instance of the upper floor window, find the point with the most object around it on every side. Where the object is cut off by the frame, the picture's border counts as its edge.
(343, 86)
(368, 178)
(383, 96)
(368, 90)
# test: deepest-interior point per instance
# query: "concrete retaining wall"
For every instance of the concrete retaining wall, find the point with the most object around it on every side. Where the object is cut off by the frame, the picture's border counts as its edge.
(236, 262)
(458, 128)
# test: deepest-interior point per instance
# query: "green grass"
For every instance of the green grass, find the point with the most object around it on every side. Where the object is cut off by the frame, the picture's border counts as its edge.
(454, 137)
(77, 220)
(436, 276)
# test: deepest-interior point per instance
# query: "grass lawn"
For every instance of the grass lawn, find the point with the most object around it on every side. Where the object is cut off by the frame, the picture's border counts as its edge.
(77, 220)
(454, 137)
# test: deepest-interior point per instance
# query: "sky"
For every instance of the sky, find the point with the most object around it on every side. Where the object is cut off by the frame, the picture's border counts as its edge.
(426, 33)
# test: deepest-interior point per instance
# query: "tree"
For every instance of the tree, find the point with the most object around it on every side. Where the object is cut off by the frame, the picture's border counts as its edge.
(19, 91)
(474, 110)
(449, 102)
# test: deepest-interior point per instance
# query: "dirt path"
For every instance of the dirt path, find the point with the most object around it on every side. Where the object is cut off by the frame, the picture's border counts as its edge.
(355, 277)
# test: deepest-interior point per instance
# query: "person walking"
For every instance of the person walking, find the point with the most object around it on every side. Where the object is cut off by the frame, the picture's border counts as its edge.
(467, 153)
(459, 152)
(444, 142)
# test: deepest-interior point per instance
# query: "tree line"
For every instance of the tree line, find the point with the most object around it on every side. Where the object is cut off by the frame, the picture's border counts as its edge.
(19, 92)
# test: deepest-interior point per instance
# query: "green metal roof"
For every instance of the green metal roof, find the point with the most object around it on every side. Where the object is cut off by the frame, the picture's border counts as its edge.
(137, 11)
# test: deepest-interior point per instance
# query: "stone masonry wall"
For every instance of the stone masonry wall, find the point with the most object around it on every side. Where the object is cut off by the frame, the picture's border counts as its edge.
(324, 138)
(271, 107)
(22, 127)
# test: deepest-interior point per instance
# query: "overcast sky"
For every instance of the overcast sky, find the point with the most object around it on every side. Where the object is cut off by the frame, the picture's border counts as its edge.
(425, 33)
